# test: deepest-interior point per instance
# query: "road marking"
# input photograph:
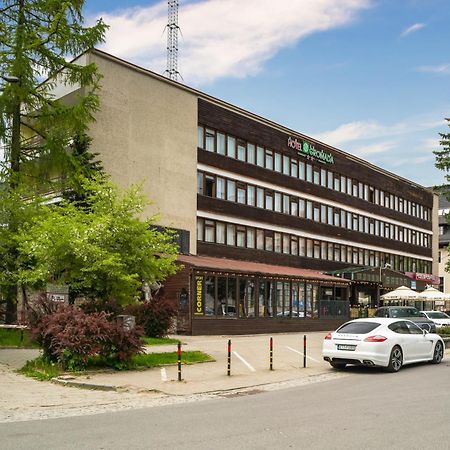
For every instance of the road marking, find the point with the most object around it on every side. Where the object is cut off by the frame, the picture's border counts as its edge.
(301, 353)
(163, 374)
(251, 368)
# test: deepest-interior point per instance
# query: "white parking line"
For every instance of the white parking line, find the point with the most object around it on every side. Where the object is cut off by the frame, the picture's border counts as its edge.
(163, 374)
(251, 368)
(301, 353)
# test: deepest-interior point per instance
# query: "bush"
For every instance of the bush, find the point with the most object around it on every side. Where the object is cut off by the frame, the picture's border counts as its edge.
(445, 331)
(154, 316)
(111, 307)
(71, 337)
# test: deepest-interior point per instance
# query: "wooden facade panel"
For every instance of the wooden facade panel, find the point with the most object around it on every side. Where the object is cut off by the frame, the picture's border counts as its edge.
(261, 326)
(256, 132)
(322, 230)
(260, 173)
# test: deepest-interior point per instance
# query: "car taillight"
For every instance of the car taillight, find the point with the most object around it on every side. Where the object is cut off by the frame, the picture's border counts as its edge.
(328, 336)
(376, 338)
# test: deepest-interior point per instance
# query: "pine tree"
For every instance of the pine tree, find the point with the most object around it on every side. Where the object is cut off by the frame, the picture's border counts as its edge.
(443, 159)
(38, 39)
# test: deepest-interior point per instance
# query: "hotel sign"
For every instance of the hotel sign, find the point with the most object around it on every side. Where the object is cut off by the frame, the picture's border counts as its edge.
(199, 296)
(427, 277)
(304, 148)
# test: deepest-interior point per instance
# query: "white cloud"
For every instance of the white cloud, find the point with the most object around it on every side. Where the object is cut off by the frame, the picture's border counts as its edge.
(223, 37)
(377, 147)
(412, 29)
(439, 69)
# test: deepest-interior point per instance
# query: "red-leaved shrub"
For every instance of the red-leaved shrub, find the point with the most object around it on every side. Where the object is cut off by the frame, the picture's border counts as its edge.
(154, 316)
(71, 337)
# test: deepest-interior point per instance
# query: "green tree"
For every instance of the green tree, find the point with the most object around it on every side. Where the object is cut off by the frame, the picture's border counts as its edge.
(443, 158)
(102, 249)
(37, 40)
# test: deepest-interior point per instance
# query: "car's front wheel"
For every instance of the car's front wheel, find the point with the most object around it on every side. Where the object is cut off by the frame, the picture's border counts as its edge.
(336, 365)
(438, 353)
(395, 360)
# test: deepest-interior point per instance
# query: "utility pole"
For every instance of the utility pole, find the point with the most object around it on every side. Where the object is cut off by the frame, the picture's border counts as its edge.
(172, 40)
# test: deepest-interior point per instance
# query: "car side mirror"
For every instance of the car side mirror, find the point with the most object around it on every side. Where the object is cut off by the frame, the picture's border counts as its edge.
(424, 332)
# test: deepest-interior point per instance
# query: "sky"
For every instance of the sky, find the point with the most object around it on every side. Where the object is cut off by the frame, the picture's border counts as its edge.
(370, 77)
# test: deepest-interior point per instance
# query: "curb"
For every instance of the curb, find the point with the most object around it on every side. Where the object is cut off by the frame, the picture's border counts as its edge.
(90, 386)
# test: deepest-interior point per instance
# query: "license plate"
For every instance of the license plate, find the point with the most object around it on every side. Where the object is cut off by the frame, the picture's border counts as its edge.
(346, 347)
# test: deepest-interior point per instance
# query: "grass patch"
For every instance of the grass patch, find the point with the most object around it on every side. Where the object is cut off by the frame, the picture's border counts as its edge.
(42, 369)
(11, 337)
(159, 341)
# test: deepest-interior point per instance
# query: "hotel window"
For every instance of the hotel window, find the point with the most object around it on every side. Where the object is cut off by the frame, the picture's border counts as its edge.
(317, 249)
(231, 191)
(260, 156)
(241, 151)
(309, 172)
(294, 168)
(360, 191)
(323, 213)
(231, 147)
(294, 245)
(343, 184)
(210, 140)
(301, 170)
(301, 246)
(251, 195)
(323, 177)
(309, 210)
(200, 137)
(337, 252)
(349, 221)
(301, 208)
(269, 200)
(260, 239)
(343, 216)
(231, 232)
(371, 227)
(251, 153)
(316, 176)
(278, 202)
(371, 195)
(250, 237)
(377, 227)
(337, 183)
(277, 162)
(324, 252)
(220, 188)
(355, 222)
(330, 252)
(260, 198)
(286, 204)
(286, 164)
(316, 213)
(309, 248)
(209, 231)
(277, 242)
(241, 193)
(330, 179)
(209, 186)
(221, 143)
(200, 230)
(337, 217)
(355, 189)
(330, 215)
(199, 183)
(381, 198)
(268, 240)
(294, 206)
(349, 186)
(286, 243)
(220, 232)
(240, 236)
(269, 159)
(366, 192)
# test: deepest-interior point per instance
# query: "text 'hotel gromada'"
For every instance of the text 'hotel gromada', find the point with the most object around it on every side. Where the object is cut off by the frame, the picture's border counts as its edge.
(264, 213)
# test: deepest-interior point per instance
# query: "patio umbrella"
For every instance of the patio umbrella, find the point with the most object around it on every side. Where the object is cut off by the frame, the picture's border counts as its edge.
(432, 293)
(401, 293)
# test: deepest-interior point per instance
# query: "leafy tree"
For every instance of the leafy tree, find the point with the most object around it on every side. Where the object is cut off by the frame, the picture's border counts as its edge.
(102, 250)
(37, 40)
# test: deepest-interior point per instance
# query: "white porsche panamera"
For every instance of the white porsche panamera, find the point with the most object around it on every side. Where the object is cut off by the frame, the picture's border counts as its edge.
(389, 343)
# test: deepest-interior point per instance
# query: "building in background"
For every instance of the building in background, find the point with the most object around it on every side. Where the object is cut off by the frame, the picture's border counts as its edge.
(444, 241)
(264, 213)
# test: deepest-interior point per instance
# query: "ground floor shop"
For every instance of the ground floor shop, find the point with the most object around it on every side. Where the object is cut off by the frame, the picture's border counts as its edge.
(223, 296)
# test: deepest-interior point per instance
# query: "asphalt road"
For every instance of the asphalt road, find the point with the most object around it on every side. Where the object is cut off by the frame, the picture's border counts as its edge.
(369, 409)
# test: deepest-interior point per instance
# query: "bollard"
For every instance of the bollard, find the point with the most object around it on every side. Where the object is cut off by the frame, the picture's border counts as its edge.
(179, 361)
(229, 357)
(304, 350)
(21, 337)
(271, 353)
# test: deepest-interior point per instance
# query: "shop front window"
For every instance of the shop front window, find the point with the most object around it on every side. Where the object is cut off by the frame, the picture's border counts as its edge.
(210, 294)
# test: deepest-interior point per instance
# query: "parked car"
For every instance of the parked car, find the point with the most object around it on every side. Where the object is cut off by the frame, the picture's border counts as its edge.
(384, 342)
(407, 312)
(439, 318)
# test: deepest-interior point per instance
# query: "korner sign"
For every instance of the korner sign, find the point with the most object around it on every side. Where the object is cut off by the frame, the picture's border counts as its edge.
(306, 149)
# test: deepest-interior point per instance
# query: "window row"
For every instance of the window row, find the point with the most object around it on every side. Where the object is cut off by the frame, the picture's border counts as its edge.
(228, 145)
(245, 297)
(219, 232)
(212, 185)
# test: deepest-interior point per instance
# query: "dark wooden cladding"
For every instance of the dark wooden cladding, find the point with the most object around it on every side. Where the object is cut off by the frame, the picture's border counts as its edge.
(321, 230)
(256, 132)
(262, 256)
(259, 326)
(268, 176)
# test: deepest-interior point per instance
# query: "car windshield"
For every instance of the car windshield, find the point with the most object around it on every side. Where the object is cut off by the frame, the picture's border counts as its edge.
(357, 327)
(437, 315)
(404, 312)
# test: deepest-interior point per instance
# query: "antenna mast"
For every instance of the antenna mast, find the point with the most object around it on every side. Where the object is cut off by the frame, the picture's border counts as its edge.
(172, 40)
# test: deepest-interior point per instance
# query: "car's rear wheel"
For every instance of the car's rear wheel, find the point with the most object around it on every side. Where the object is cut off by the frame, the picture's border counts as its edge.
(337, 365)
(395, 360)
(438, 353)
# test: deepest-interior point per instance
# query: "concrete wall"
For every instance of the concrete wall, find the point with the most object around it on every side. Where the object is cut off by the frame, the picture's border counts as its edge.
(150, 138)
